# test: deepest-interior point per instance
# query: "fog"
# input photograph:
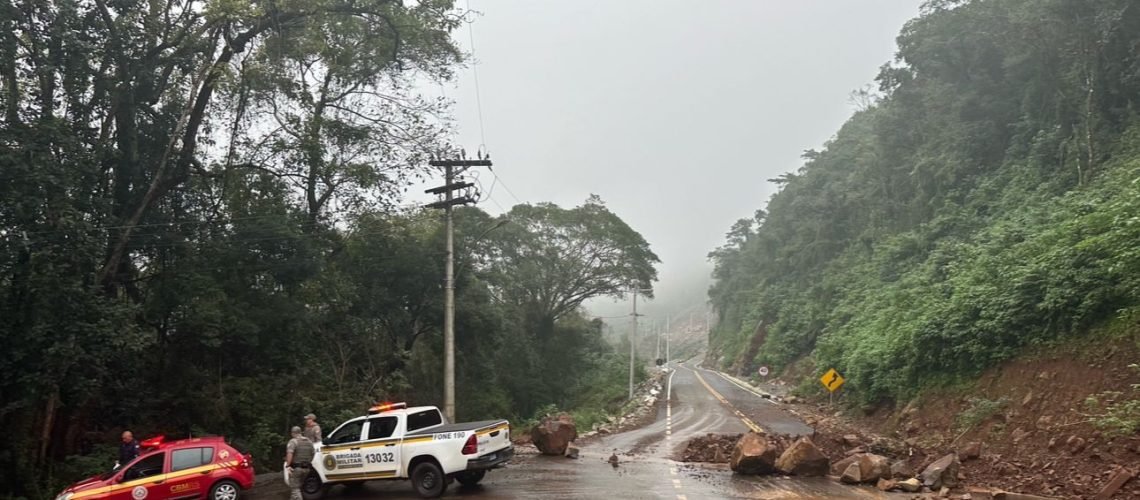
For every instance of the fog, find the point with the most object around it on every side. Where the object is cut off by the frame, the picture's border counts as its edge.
(675, 113)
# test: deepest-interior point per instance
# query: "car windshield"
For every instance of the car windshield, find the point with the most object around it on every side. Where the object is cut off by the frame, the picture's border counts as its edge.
(103, 476)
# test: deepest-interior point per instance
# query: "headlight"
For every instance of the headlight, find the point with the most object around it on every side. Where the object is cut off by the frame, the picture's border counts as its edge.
(64, 496)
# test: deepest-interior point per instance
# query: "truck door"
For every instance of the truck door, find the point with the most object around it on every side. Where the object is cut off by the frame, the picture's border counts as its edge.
(381, 449)
(343, 458)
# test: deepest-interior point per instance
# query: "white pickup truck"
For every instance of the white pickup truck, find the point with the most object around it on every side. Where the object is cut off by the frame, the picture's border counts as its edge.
(396, 442)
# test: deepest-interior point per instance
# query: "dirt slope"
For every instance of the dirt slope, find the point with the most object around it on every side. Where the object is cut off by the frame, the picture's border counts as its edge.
(1030, 422)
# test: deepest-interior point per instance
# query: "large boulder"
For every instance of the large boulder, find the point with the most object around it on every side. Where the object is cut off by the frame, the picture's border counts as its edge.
(901, 470)
(554, 434)
(802, 458)
(754, 454)
(942, 473)
(871, 467)
(851, 474)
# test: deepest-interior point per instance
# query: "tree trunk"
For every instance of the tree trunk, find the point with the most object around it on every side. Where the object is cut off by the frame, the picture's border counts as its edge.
(48, 422)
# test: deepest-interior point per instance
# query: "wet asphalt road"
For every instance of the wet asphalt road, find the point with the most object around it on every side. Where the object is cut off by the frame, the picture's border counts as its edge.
(699, 402)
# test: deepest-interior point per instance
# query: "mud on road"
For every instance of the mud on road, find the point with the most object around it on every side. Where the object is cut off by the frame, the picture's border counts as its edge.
(645, 458)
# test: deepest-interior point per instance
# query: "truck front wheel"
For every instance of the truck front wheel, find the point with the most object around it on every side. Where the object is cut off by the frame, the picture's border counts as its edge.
(428, 480)
(312, 488)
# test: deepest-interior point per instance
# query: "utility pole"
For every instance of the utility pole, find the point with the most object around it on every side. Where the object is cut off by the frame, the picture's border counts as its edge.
(633, 342)
(708, 331)
(633, 335)
(447, 204)
(657, 331)
(667, 340)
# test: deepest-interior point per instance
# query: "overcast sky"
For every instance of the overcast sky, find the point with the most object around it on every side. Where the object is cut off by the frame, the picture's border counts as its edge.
(674, 112)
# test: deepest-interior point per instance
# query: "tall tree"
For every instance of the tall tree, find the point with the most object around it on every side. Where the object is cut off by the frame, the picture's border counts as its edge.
(548, 259)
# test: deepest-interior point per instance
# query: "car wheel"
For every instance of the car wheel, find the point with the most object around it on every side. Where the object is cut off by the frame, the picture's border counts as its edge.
(428, 480)
(471, 477)
(312, 488)
(225, 490)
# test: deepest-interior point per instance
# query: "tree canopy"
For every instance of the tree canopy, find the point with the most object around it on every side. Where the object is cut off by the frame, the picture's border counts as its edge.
(552, 259)
(201, 232)
(982, 203)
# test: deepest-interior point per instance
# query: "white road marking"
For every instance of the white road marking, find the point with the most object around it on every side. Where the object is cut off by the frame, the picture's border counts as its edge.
(677, 483)
(749, 389)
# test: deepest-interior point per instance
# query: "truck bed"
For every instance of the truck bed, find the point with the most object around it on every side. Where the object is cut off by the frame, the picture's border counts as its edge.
(462, 426)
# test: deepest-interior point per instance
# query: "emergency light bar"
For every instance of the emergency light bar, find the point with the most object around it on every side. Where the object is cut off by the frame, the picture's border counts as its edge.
(153, 442)
(386, 406)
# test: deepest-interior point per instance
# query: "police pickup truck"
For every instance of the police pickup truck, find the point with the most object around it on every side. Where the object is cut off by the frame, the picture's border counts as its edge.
(396, 442)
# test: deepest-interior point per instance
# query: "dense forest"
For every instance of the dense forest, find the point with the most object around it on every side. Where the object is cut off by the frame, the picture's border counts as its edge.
(201, 231)
(984, 199)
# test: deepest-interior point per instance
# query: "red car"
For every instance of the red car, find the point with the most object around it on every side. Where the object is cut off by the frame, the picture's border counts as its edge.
(204, 467)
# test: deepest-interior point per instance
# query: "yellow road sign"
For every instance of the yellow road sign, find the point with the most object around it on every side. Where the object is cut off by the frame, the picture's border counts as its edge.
(832, 380)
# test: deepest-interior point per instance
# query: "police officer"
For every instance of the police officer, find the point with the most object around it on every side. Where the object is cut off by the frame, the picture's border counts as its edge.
(298, 457)
(312, 430)
(128, 449)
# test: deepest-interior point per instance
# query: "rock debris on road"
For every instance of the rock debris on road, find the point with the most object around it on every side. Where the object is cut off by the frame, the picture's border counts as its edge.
(700, 402)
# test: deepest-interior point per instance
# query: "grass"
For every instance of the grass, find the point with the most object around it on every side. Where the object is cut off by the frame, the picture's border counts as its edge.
(1117, 413)
(979, 411)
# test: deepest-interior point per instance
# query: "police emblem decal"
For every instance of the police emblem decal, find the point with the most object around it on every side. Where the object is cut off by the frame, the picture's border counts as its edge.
(330, 462)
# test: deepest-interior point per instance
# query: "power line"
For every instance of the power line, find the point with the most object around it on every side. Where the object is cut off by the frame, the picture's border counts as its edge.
(500, 181)
(479, 109)
(475, 72)
(591, 316)
(488, 196)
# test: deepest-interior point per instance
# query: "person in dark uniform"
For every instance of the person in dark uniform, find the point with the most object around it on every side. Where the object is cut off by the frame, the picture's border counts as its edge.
(128, 449)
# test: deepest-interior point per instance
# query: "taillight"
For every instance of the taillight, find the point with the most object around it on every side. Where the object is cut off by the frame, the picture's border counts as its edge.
(471, 447)
(246, 461)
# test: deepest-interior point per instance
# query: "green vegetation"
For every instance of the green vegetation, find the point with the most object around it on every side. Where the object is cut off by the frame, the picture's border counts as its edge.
(1117, 412)
(979, 410)
(989, 200)
(198, 234)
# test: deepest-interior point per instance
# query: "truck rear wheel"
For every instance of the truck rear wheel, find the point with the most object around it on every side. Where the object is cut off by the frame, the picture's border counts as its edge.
(428, 480)
(471, 477)
(312, 488)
